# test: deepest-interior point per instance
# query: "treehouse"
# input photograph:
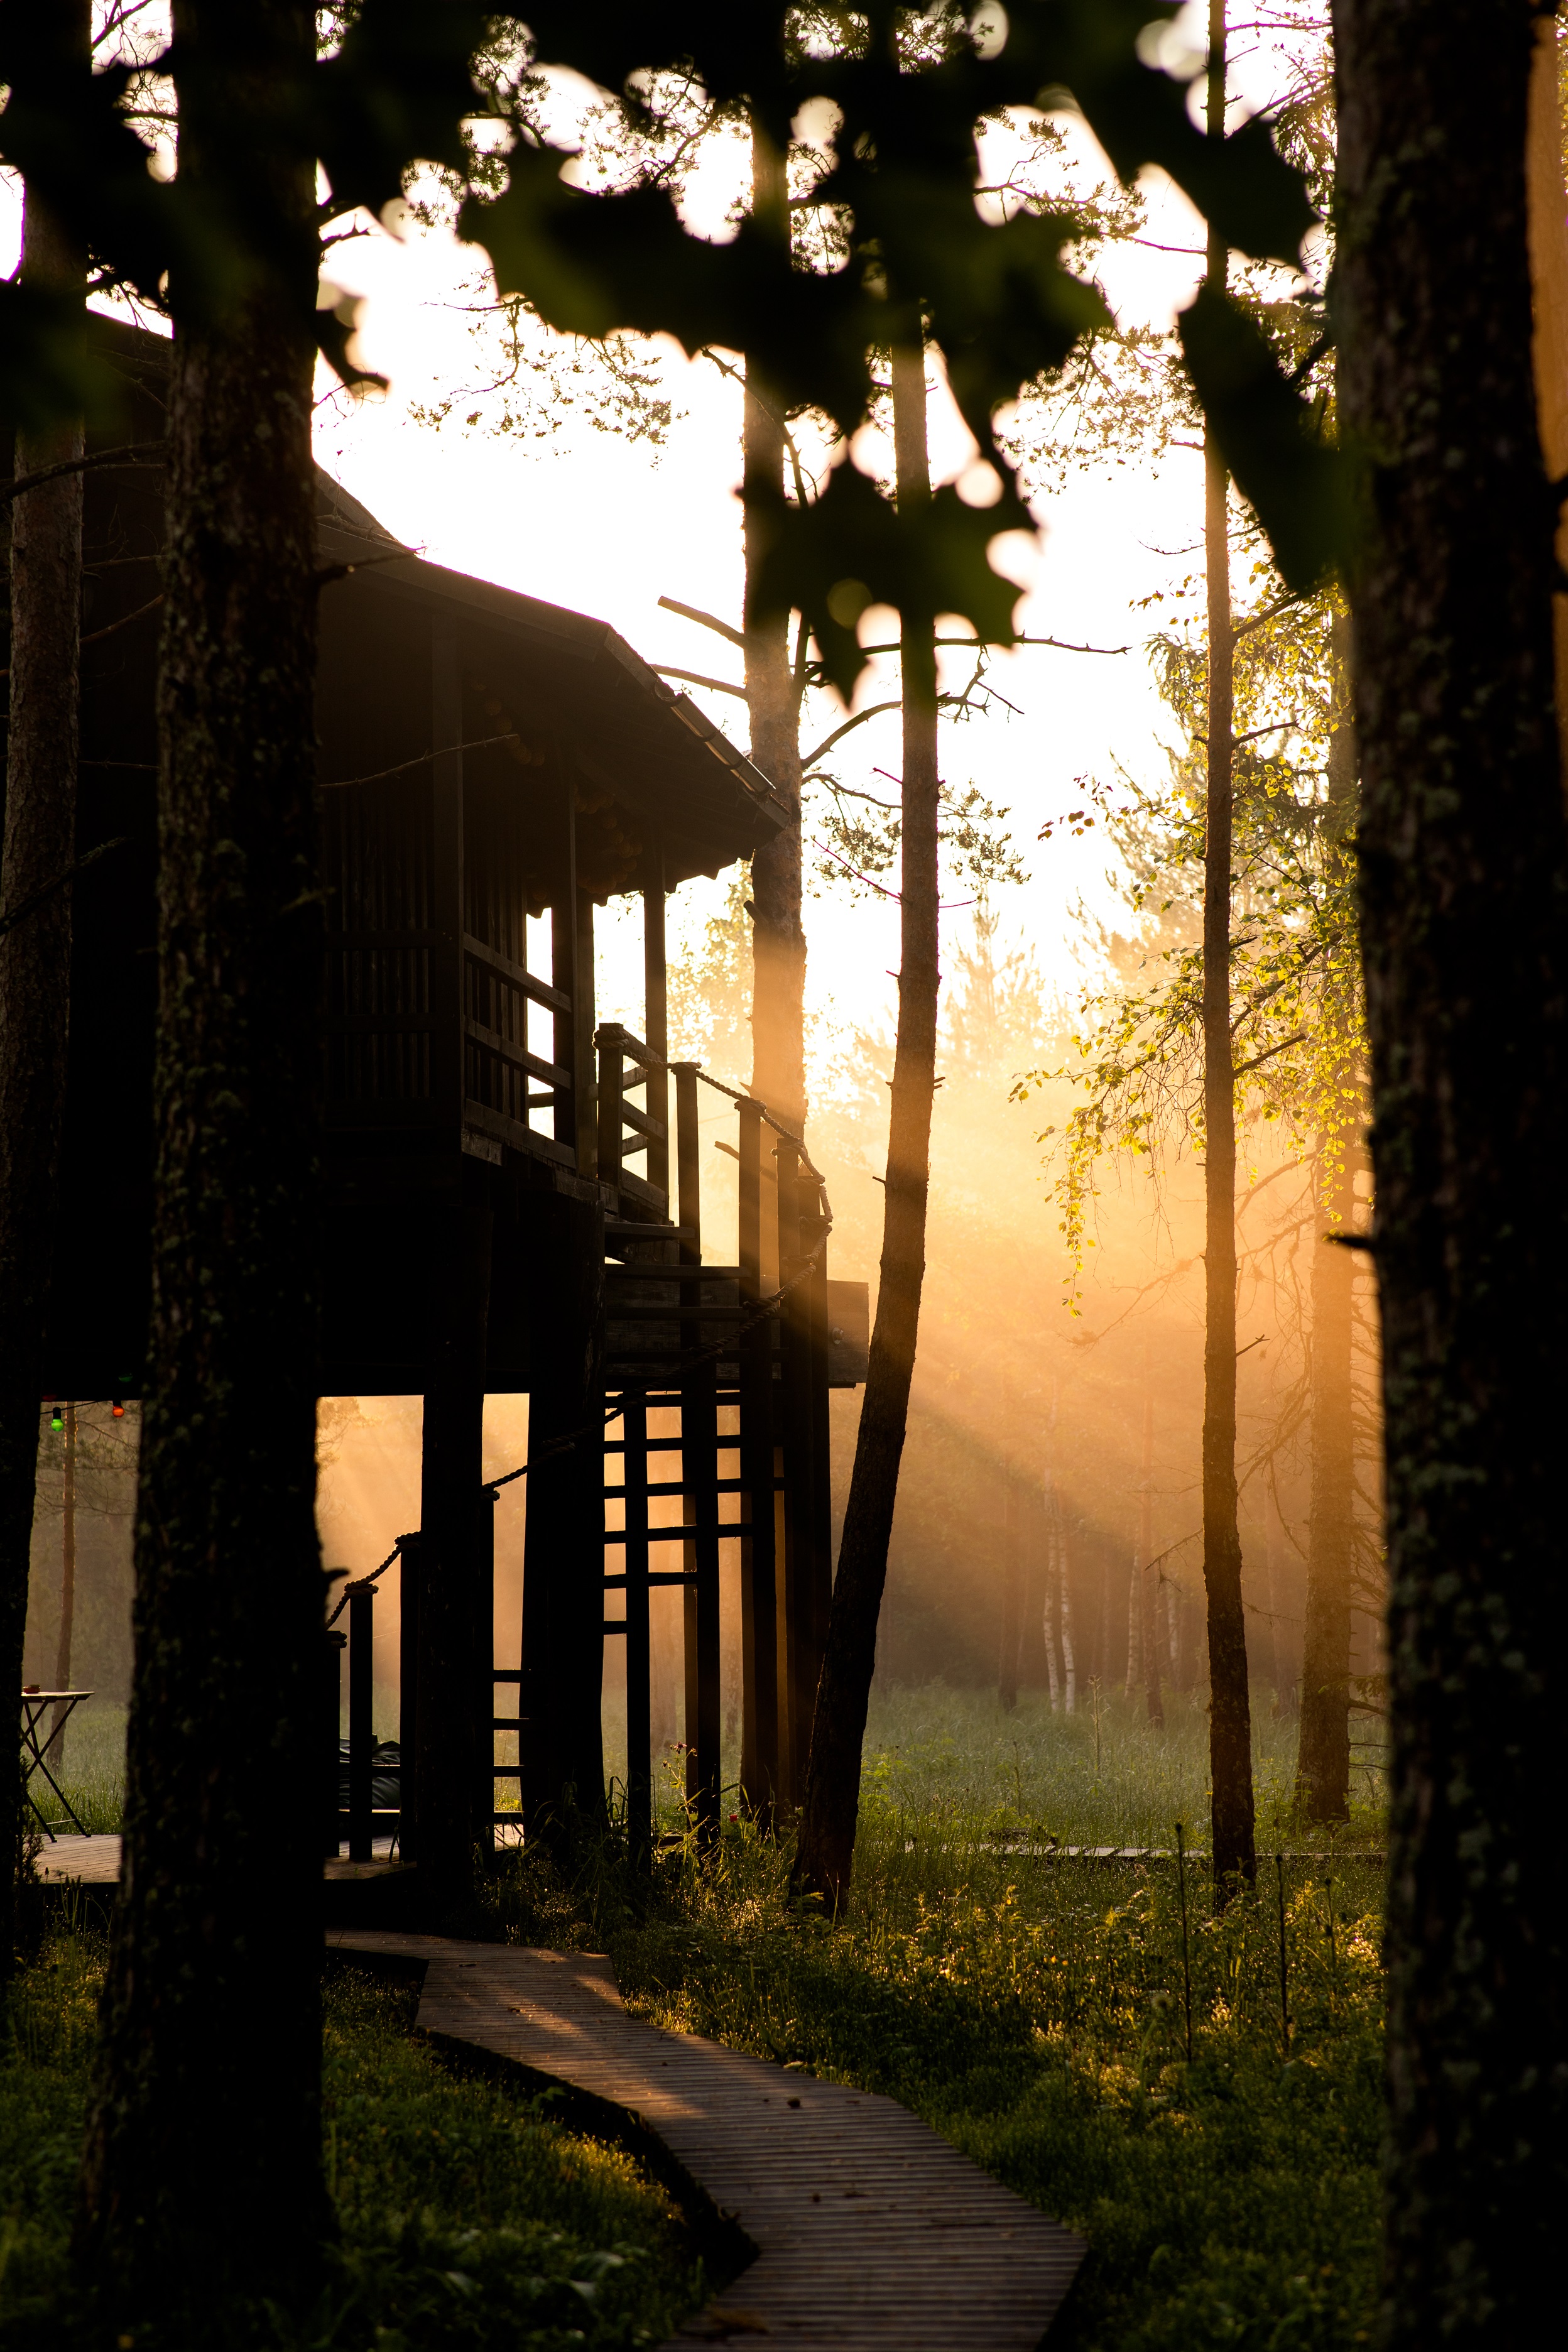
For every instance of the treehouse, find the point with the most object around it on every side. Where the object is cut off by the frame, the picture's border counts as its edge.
(513, 1190)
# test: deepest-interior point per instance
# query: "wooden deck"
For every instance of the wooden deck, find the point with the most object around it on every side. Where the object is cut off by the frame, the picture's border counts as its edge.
(870, 2231)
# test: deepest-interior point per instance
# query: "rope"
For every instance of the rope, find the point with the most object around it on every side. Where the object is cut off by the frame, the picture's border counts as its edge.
(386, 1563)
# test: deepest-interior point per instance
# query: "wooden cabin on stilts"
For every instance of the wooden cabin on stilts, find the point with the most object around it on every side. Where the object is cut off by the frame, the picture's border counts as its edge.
(513, 1192)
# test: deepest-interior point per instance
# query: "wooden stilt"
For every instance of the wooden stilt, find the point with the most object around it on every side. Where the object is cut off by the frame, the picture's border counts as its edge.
(635, 1576)
(362, 1714)
(565, 932)
(656, 1017)
(456, 1600)
(700, 1471)
(759, 1655)
(410, 1570)
(562, 1744)
(585, 1021)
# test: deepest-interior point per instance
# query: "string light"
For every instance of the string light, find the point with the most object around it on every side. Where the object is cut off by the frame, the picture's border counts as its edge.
(55, 1421)
(118, 1411)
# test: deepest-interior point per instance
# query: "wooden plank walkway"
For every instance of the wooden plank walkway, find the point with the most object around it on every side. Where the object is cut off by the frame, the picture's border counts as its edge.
(872, 2233)
(90, 1860)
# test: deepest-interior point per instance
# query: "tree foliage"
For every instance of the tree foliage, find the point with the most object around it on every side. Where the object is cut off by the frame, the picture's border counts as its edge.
(905, 247)
(1299, 1021)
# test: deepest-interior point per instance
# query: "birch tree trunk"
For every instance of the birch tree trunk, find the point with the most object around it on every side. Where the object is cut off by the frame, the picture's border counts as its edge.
(202, 2179)
(1230, 1711)
(825, 1852)
(39, 843)
(1463, 857)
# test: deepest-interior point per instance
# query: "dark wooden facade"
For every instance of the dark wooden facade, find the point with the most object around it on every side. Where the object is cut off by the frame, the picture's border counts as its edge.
(498, 1170)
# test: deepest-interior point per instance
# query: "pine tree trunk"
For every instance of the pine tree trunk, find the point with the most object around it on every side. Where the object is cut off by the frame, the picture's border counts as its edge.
(1013, 1603)
(1323, 1757)
(56, 1750)
(39, 843)
(1464, 866)
(772, 697)
(825, 1852)
(1230, 1705)
(202, 2177)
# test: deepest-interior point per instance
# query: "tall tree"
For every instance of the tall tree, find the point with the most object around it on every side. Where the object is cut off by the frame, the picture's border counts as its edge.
(824, 1854)
(1463, 853)
(772, 699)
(220, 1887)
(39, 845)
(1324, 1752)
(1230, 1714)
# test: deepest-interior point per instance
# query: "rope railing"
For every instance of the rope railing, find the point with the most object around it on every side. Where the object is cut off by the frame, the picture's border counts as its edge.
(766, 1310)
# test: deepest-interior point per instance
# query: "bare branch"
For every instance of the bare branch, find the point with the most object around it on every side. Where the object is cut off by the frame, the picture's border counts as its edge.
(705, 620)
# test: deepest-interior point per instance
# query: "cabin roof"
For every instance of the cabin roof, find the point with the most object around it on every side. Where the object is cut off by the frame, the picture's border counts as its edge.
(631, 737)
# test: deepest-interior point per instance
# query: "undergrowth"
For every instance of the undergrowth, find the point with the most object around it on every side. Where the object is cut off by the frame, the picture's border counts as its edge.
(1036, 2012)
(467, 2221)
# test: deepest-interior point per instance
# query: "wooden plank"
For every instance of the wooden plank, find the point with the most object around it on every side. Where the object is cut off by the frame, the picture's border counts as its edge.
(870, 2231)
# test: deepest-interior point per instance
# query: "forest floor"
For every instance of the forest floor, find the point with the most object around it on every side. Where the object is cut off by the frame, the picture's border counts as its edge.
(467, 2221)
(1199, 2096)
(1209, 2125)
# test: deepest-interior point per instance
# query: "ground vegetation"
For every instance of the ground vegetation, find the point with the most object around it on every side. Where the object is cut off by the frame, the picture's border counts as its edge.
(462, 2215)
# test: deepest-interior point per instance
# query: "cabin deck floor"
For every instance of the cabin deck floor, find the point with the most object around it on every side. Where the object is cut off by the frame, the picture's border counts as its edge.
(871, 2229)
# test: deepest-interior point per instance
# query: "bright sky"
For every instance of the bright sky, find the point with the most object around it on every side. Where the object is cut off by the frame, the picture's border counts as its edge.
(606, 526)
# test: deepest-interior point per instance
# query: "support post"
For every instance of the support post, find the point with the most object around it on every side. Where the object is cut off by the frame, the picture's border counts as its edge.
(656, 1017)
(564, 931)
(332, 1711)
(586, 1020)
(448, 1007)
(455, 1601)
(362, 1714)
(699, 1473)
(639, 1726)
(759, 1626)
(410, 1575)
(612, 1127)
(561, 1744)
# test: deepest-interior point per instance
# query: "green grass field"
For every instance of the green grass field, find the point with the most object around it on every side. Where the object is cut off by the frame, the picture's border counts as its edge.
(1210, 2130)
(1037, 2011)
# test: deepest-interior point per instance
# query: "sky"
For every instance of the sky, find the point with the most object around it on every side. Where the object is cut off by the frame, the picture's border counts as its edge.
(607, 527)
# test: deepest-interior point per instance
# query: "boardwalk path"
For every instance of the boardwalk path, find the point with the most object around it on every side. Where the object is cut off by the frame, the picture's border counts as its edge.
(870, 2231)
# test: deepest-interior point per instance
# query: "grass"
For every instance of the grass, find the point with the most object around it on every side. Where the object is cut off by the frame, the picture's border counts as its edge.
(94, 1774)
(1036, 2012)
(467, 2221)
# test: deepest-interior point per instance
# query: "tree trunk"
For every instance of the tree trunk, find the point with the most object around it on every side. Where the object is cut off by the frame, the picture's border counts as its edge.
(202, 2178)
(1464, 877)
(1013, 1601)
(1547, 234)
(1058, 1542)
(1149, 1593)
(772, 697)
(1134, 1626)
(56, 1751)
(39, 843)
(825, 1852)
(1230, 1708)
(1323, 1755)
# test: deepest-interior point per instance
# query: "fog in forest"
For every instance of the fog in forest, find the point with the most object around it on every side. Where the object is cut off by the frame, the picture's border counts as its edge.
(1049, 1507)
